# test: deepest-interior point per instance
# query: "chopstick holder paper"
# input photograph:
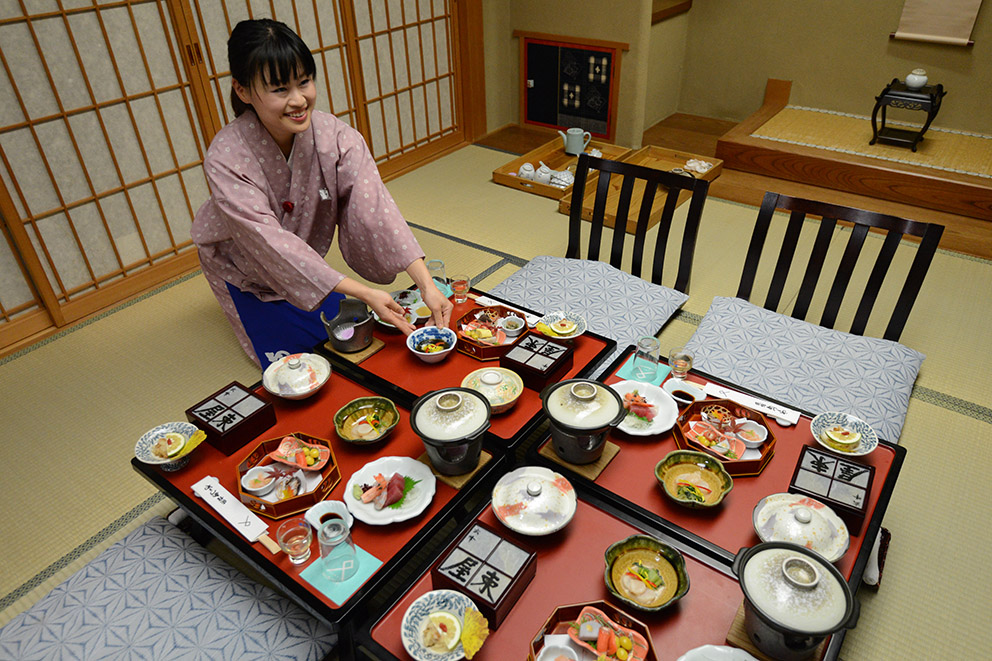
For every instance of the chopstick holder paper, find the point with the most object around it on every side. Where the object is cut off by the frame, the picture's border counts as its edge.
(235, 512)
(785, 417)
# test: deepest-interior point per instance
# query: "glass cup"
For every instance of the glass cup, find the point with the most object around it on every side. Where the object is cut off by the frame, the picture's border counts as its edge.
(294, 537)
(339, 562)
(460, 285)
(680, 359)
(435, 268)
(645, 367)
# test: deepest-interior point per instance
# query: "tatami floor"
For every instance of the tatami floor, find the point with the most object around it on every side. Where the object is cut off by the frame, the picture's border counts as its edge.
(75, 403)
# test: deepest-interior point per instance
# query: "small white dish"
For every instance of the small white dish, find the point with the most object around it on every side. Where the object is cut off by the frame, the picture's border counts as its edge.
(717, 653)
(417, 499)
(758, 429)
(255, 473)
(666, 409)
(553, 652)
(533, 500)
(415, 618)
(325, 507)
(671, 386)
(512, 325)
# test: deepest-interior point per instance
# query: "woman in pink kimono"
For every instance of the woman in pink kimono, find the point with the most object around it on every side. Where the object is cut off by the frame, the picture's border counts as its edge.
(282, 178)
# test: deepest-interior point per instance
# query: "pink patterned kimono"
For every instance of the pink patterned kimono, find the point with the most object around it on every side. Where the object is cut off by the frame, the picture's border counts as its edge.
(268, 224)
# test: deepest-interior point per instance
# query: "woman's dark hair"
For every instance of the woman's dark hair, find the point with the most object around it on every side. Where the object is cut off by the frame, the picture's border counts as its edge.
(266, 50)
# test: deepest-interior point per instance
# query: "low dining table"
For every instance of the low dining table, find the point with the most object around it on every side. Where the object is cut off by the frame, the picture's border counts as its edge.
(391, 372)
(624, 498)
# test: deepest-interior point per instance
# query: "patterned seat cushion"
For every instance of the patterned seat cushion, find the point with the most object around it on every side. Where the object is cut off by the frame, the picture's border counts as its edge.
(807, 366)
(615, 304)
(157, 594)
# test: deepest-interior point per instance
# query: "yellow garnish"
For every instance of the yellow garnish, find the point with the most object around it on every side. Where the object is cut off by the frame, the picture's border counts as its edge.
(475, 630)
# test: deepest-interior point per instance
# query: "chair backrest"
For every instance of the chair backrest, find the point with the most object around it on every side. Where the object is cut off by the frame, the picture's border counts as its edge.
(894, 229)
(672, 184)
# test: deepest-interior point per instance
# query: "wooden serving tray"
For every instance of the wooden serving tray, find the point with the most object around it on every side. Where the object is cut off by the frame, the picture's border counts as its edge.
(330, 476)
(554, 156)
(649, 156)
(736, 467)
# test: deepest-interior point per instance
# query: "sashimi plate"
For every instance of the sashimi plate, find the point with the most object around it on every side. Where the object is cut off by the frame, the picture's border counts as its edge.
(414, 502)
(665, 409)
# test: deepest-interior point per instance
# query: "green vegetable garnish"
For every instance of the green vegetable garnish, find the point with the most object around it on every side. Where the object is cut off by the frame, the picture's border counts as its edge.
(408, 483)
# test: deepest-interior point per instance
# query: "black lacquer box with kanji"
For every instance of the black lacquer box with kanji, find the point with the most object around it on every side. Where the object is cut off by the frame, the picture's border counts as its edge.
(538, 360)
(843, 483)
(232, 417)
(491, 569)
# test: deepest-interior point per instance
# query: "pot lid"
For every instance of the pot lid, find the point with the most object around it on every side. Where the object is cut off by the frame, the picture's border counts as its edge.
(583, 404)
(533, 500)
(296, 374)
(449, 414)
(795, 589)
(498, 384)
(789, 517)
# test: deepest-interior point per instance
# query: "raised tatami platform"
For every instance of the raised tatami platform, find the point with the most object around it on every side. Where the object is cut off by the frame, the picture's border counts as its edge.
(951, 171)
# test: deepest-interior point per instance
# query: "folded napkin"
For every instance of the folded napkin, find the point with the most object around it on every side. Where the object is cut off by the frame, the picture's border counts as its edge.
(341, 592)
(626, 371)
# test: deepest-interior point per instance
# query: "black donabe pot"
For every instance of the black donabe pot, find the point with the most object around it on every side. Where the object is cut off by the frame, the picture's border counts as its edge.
(580, 445)
(773, 637)
(460, 454)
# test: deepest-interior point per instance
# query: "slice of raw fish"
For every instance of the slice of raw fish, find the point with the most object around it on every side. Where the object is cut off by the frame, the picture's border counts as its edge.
(394, 490)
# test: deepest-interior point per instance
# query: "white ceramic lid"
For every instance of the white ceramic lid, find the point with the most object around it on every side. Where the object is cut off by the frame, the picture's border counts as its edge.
(533, 500)
(789, 517)
(452, 413)
(583, 405)
(796, 590)
(296, 374)
(498, 384)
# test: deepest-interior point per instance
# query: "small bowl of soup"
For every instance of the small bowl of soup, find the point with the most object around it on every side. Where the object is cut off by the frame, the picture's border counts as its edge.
(693, 479)
(645, 573)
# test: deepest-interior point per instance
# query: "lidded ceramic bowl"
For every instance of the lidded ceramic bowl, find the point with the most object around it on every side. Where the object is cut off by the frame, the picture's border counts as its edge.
(789, 517)
(296, 376)
(533, 500)
(581, 413)
(793, 599)
(502, 387)
(450, 422)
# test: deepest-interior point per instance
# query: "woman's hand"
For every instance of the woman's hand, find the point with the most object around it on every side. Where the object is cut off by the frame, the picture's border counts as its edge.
(439, 304)
(388, 310)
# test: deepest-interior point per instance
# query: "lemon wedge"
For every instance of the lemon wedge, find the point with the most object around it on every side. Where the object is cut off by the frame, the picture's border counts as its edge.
(563, 327)
(843, 435)
(174, 443)
(450, 627)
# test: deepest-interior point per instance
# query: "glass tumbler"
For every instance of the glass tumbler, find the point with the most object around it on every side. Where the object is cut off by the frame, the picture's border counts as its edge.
(460, 284)
(339, 562)
(646, 359)
(435, 267)
(294, 537)
(680, 359)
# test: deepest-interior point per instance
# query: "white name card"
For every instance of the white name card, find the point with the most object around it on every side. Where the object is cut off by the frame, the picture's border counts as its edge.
(785, 417)
(233, 510)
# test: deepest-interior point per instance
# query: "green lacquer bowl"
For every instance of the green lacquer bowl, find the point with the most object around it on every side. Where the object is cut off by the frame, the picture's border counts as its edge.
(717, 479)
(638, 544)
(352, 421)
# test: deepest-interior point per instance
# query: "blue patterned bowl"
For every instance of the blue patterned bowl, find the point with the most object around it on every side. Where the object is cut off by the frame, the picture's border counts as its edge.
(143, 448)
(416, 617)
(431, 334)
(821, 423)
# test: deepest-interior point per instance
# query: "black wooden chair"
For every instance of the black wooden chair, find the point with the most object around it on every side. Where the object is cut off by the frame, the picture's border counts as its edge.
(649, 183)
(895, 229)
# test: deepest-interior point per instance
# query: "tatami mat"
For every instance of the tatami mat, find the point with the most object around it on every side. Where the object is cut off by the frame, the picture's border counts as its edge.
(73, 407)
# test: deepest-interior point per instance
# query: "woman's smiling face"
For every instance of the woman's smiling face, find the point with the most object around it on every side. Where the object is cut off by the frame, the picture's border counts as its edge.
(283, 108)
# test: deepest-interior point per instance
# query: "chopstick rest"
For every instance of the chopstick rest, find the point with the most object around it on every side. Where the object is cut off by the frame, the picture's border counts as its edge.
(785, 417)
(235, 512)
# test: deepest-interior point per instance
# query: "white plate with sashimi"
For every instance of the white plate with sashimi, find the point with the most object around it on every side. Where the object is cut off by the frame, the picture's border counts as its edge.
(650, 410)
(390, 489)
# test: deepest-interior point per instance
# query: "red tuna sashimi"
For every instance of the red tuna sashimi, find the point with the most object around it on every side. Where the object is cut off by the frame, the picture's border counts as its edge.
(392, 493)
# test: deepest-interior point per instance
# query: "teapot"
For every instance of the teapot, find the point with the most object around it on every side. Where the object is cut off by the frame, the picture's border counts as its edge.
(575, 141)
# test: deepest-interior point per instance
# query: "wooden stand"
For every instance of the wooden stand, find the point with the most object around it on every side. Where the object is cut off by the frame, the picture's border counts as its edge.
(357, 356)
(588, 471)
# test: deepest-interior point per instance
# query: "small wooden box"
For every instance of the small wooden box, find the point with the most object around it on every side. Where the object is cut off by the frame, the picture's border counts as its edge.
(232, 417)
(481, 350)
(490, 569)
(330, 476)
(538, 360)
(834, 480)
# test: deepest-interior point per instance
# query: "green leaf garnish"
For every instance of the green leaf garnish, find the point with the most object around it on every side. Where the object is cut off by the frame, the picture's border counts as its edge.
(408, 483)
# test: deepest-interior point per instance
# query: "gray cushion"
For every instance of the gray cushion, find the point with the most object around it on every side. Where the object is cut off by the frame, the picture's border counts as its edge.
(807, 366)
(615, 304)
(157, 594)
